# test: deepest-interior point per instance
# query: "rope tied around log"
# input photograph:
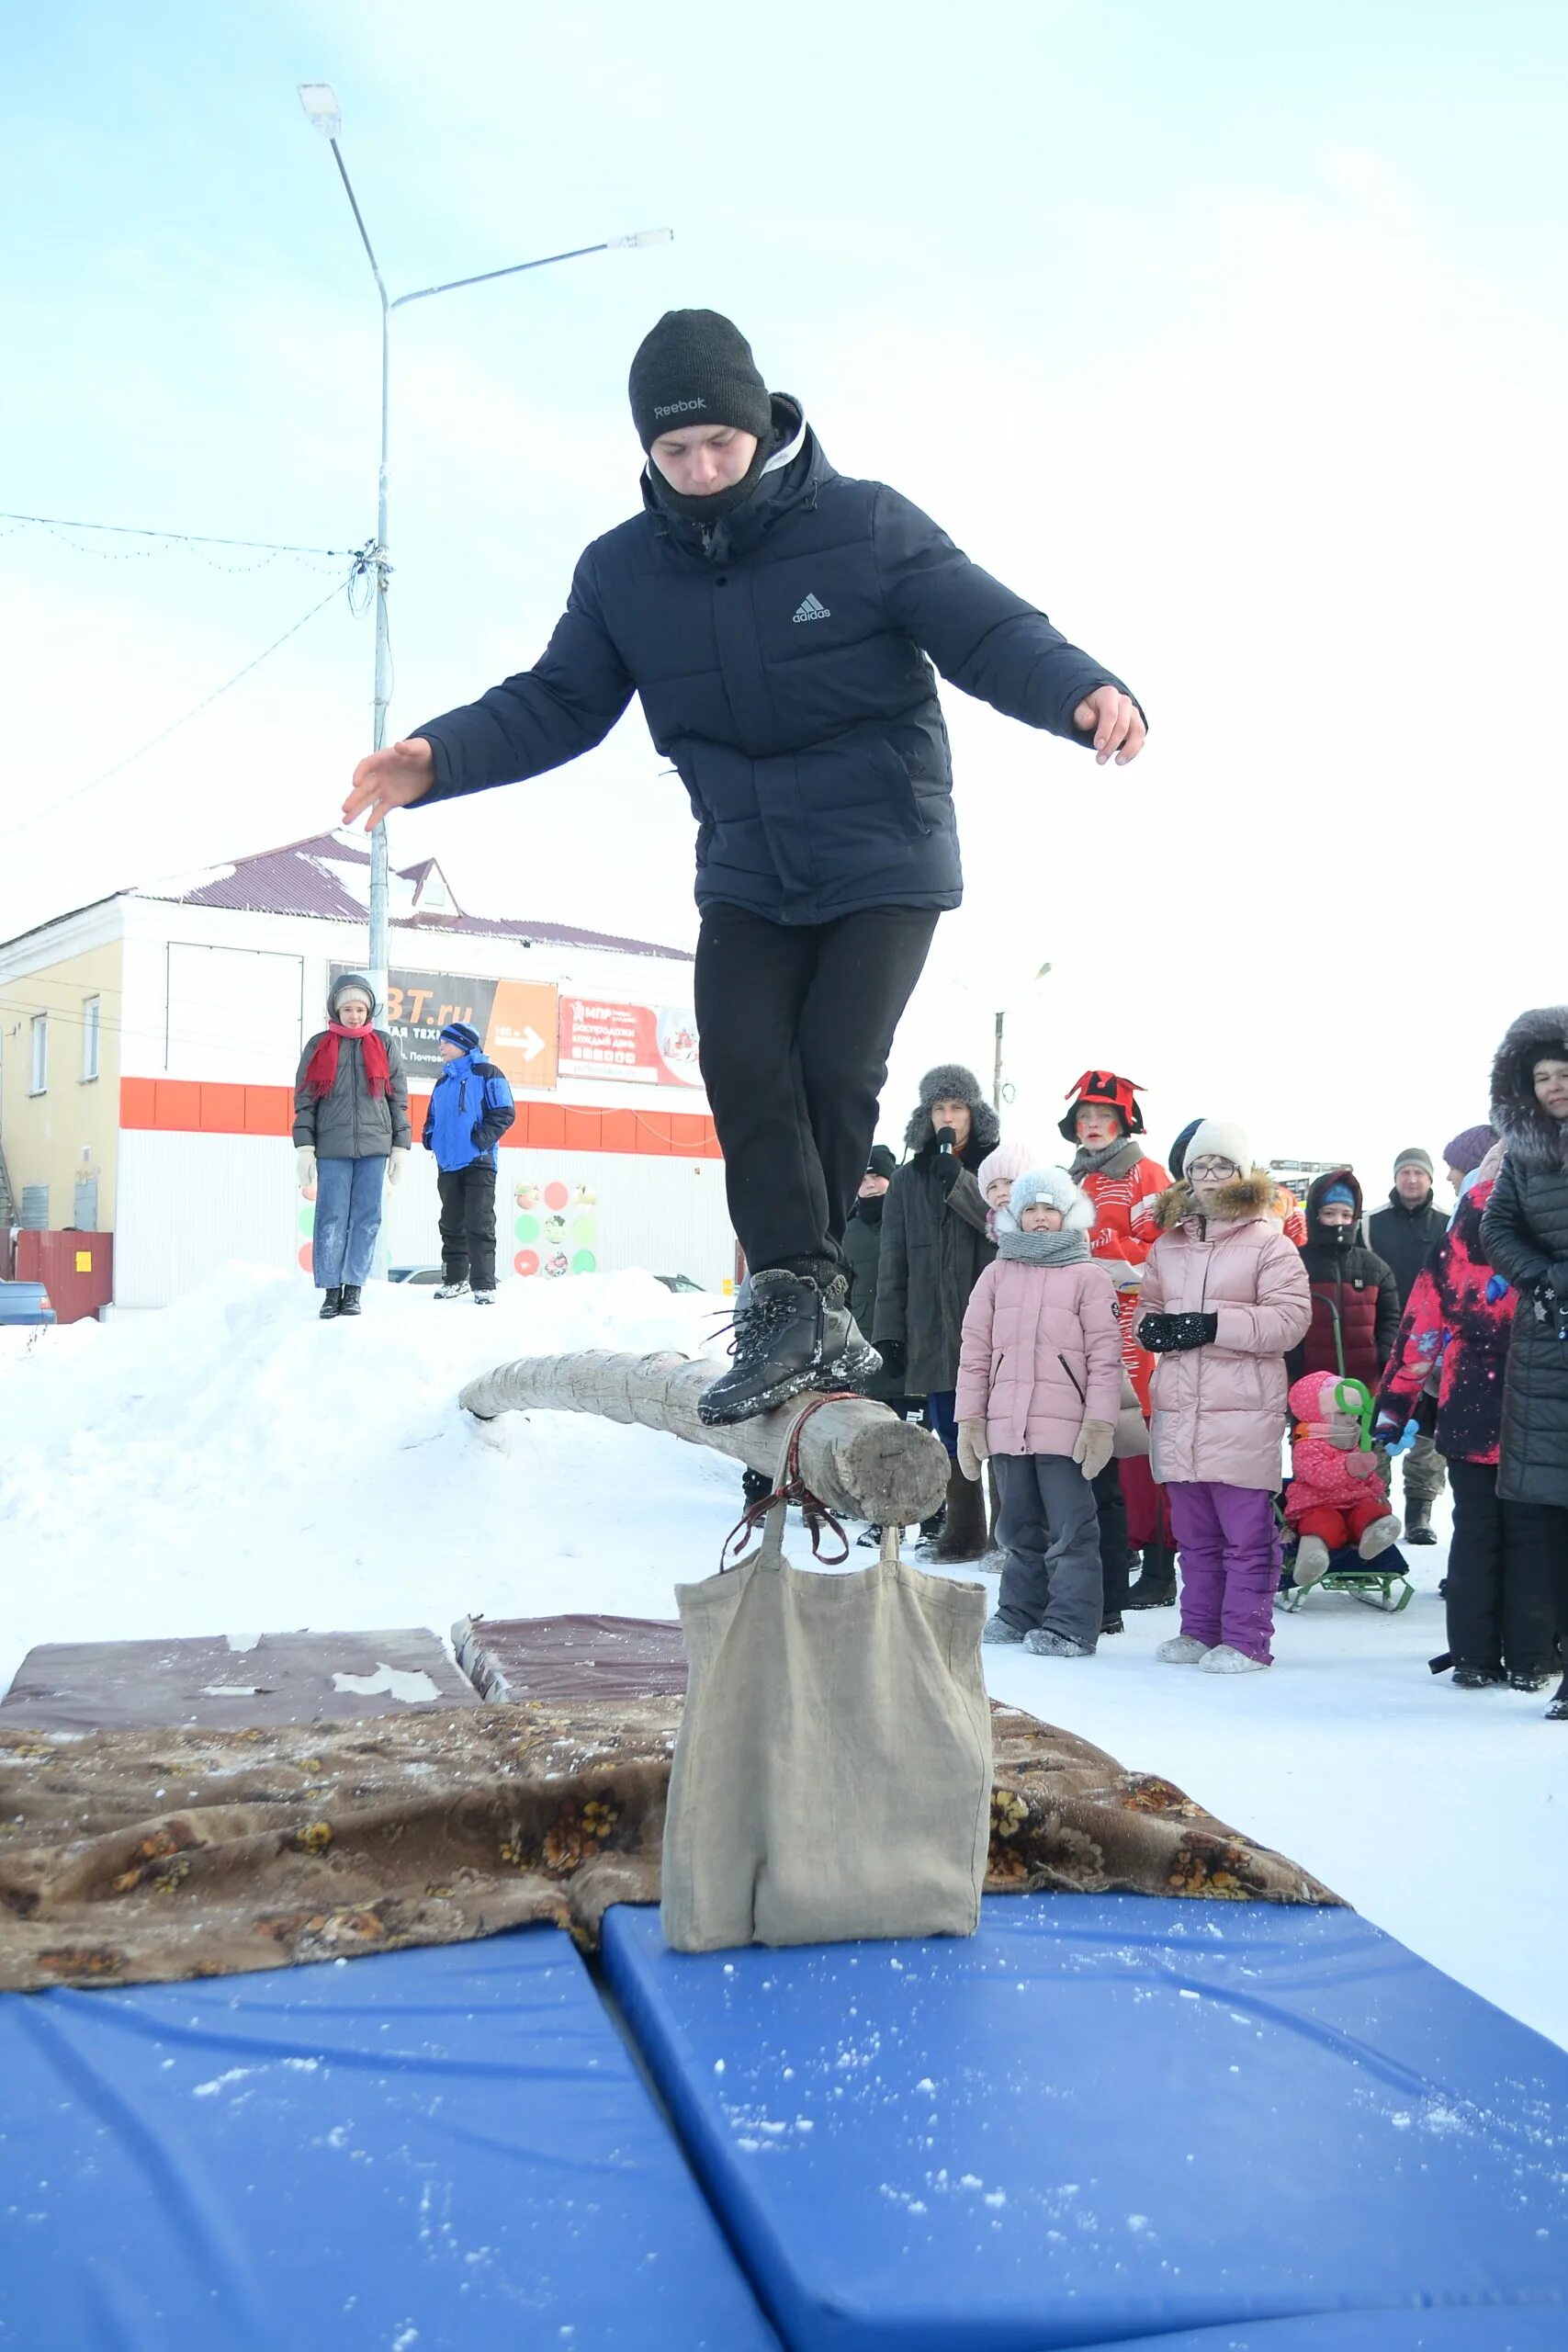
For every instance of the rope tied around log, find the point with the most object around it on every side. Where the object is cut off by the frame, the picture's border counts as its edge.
(791, 1487)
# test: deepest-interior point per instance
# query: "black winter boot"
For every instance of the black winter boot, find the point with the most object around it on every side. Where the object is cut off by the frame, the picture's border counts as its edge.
(1558, 1710)
(777, 1349)
(331, 1303)
(1156, 1587)
(1418, 1521)
(963, 1533)
(349, 1302)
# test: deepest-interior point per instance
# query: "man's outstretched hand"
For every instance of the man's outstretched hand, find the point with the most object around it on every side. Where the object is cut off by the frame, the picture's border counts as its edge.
(391, 779)
(1113, 716)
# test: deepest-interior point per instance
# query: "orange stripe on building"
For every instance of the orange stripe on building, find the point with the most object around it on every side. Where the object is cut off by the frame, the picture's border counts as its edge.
(192, 1106)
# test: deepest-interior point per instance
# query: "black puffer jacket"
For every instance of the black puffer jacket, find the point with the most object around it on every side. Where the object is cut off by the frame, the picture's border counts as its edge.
(1524, 1235)
(781, 654)
(1404, 1237)
(935, 1247)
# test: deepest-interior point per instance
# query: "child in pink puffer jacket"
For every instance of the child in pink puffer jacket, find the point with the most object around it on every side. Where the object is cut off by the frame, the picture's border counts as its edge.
(1039, 1386)
(1224, 1299)
(1335, 1494)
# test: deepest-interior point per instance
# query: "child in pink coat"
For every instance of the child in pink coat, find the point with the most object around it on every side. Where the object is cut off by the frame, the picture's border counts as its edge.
(1039, 1386)
(1224, 1298)
(1335, 1494)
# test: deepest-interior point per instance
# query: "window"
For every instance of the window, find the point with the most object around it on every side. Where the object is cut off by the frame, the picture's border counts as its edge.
(90, 1038)
(41, 1053)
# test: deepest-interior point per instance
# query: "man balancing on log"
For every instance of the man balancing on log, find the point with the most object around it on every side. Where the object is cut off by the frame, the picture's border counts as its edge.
(781, 622)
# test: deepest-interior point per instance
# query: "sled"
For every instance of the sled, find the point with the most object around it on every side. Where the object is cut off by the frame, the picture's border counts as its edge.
(1383, 1583)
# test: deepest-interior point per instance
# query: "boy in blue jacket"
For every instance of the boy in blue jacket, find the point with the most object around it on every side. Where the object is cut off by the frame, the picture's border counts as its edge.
(783, 624)
(470, 1110)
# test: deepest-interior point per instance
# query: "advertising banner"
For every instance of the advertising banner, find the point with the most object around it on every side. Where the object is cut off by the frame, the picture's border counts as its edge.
(645, 1045)
(515, 1019)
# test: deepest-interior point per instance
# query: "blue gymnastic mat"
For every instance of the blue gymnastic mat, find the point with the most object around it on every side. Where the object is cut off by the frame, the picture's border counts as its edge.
(1472, 2329)
(1102, 2117)
(418, 2152)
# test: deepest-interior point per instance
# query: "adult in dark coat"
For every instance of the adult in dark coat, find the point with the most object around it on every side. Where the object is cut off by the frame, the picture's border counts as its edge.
(1524, 1234)
(935, 1245)
(1355, 1300)
(779, 623)
(1403, 1234)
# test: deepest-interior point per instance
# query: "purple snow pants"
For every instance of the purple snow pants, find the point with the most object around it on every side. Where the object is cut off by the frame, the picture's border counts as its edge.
(1228, 1547)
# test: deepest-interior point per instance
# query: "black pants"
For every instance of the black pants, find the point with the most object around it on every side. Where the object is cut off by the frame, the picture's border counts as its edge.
(796, 1022)
(1499, 1597)
(1115, 1562)
(467, 1224)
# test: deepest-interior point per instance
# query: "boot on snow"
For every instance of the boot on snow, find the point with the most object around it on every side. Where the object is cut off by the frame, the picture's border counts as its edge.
(1111, 1622)
(349, 1299)
(776, 1349)
(998, 1630)
(930, 1532)
(331, 1302)
(963, 1533)
(1182, 1649)
(1558, 1710)
(1477, 1678)
(1156, 1586)
(1418, 1520)
(1047, 1643)
(484, 1298)
(456, 1289)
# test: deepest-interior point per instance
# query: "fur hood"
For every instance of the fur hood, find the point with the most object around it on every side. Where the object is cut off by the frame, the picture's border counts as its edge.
(1243, 1198)
(1535, 1140)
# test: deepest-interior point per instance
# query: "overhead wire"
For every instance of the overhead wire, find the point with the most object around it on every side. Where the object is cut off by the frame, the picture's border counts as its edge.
(270, 548)
(364, 562)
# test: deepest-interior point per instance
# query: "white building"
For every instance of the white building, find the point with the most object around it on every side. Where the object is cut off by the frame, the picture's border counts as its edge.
(149, 1043)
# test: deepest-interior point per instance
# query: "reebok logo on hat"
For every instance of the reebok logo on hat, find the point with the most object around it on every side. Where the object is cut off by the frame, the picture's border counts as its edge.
(678, 408)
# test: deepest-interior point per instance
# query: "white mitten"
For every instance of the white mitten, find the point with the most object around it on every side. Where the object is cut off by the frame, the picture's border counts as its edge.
(395, 1165)
(1093, 1448)
(973, 1449)
(305, 1165)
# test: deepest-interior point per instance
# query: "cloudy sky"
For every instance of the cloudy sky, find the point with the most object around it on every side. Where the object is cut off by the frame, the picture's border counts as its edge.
(1232, 334)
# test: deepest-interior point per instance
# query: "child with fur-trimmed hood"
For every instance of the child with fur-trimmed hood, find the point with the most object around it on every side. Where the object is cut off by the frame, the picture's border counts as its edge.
(1224, 1299)
(1039, 1387)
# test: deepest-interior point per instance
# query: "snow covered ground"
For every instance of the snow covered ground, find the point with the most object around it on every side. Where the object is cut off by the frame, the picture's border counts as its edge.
(231, 1466)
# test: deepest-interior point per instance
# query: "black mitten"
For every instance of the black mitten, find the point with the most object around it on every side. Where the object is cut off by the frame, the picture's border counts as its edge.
(949, 1169)
(1165, 1335)
(894, 1354)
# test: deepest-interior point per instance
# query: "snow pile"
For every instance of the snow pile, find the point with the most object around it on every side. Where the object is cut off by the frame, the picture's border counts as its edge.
(231, 1464)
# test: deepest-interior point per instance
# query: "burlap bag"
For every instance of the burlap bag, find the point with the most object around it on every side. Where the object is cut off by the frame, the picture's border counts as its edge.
(832, 1776)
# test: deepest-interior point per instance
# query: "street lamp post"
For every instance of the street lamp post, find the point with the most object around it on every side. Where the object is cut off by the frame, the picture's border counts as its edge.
(320, 102)
(1001, 1025)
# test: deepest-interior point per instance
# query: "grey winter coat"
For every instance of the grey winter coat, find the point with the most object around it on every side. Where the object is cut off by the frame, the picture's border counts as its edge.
(934, 1250)
(1524, 1235)
(351, 1123)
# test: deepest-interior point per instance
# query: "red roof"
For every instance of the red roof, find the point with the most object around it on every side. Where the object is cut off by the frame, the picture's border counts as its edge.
(327, 878)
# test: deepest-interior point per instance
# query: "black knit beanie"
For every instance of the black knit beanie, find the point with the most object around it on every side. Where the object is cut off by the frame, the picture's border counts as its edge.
(695, 368)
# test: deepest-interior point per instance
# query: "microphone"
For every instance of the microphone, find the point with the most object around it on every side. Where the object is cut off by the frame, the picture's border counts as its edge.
(945, 1141)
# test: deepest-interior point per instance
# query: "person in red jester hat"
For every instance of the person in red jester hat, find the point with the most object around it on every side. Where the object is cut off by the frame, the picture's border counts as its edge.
(1104, 1119)
(1336, 1495)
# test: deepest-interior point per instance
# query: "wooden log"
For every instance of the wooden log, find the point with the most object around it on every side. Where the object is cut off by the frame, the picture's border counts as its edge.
(857, 1456)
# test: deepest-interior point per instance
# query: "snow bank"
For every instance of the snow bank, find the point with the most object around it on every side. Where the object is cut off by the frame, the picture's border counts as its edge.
(233, 1462)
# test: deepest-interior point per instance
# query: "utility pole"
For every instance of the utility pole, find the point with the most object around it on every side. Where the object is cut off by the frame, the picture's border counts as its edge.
(320, 102)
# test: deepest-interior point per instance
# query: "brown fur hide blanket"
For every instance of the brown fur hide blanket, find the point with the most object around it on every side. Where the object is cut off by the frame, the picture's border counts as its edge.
(136, 1857)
